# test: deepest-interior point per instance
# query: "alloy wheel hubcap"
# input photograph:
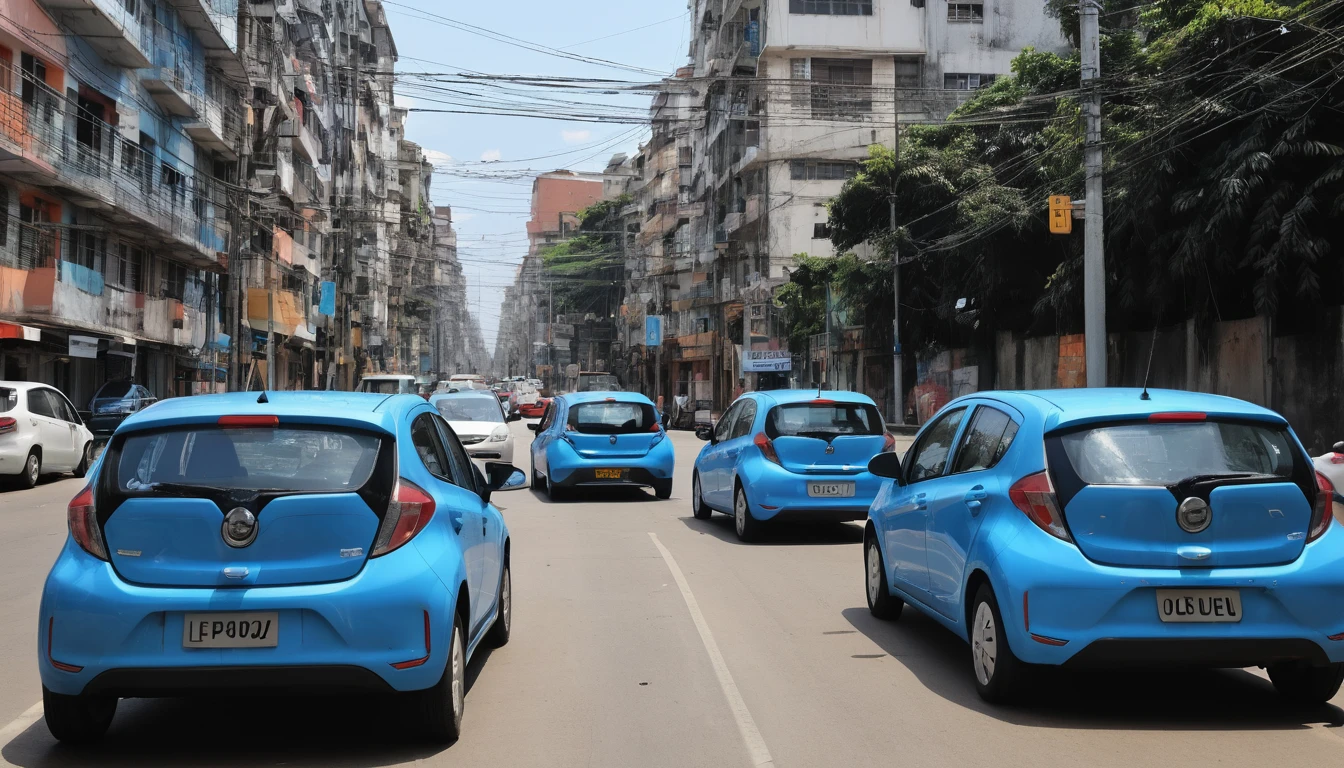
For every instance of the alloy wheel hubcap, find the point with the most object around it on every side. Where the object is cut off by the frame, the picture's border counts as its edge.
(507, 598)
(695, 493)
(874, 572)
(741, 509)
(458, 681)
(32, 468)
(984, 644)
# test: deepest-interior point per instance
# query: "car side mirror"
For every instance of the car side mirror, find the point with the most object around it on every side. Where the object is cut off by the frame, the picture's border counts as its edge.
(886, 465)
(534, 426)
(515, 416)
(503, 477)
(1339, 447)
(705, 433)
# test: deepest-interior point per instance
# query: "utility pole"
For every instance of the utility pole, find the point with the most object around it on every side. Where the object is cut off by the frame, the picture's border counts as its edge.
(897, 359)
(1094, 243)
(270, 338)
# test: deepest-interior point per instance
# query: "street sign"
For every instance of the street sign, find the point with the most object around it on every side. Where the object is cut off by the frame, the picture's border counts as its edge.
(653, 331)
(766, 360)
(1061, 215)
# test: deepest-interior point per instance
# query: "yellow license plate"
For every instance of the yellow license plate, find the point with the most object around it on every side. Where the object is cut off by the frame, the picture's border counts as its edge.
(608, 474)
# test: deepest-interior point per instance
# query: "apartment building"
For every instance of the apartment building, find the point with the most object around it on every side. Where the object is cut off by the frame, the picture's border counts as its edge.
(201, 194)
(782, 100)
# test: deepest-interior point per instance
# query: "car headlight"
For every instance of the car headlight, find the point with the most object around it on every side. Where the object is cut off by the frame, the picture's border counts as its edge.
(499, 435)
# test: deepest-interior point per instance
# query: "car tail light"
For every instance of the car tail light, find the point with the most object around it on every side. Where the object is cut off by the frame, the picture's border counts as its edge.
(51, 633)
(411, 664)
(1335, 458)
(821, 401)
(1035, 496)
(767, 447)
(1323, 511)
(656, 427)
(249, 421)
(8, 424)
(1180, 417)
(83, 521)
(888, 442)
(408, 513)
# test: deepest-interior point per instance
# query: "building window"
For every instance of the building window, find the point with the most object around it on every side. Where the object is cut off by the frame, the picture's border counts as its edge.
(832, 7)
(908, 73)
(833, 88)
(968, 12)
(821, 231)
(962, 81)
(802, 170)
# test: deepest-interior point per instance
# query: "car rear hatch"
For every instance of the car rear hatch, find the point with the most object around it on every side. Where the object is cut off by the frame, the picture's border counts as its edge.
(314, 496)
(826, 436)
(1184, 490)
(613, 429)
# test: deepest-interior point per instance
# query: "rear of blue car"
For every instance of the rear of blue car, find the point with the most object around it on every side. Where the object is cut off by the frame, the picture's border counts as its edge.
(304, 587)
(612, 441)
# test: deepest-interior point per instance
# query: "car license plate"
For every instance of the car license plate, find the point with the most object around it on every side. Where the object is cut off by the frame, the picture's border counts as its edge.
(231, 630)
(840, 490)
(609, 474)
(1199, 605)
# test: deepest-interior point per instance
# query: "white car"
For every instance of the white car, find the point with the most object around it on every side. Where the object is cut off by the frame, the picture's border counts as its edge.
(1332, 466)
(388, 384)
(480, 423)
(40, 433)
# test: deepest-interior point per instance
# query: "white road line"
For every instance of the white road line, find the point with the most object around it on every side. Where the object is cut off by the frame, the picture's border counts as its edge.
(760, 755)
(20, 724)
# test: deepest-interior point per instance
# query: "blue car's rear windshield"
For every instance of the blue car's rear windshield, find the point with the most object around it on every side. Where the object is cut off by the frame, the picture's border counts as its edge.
(823, 420)
(612, 418)
(1165, 454)
(248, 459)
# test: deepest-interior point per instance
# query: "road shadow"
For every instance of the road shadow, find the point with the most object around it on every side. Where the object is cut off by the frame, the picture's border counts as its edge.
(601, 495)
(8, 485)
(1120, 699)
(353, 731)
(721, 527)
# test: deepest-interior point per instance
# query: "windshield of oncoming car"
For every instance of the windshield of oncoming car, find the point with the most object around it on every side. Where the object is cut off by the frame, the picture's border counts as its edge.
(469, 409)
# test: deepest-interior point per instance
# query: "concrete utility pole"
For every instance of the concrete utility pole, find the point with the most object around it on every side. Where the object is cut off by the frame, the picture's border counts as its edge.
(897, 360)
(1094, 235)
(270, 339)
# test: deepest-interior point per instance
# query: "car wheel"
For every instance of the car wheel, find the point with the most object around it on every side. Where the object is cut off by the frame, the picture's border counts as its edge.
(663, 488)
(998, 672)
(748, 527)
(1306, 685)
(32, 470)
(85, 461)
(77, 719)
(881, 603)
(442, 705)
(499, 631)
(699, 508)
(538, 484)
(553, 491)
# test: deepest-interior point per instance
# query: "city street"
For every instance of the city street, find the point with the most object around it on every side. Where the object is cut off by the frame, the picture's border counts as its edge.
(765, 653)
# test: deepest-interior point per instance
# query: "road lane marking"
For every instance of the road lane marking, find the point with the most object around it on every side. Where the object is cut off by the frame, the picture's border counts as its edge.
(751, 735)
(20, 724)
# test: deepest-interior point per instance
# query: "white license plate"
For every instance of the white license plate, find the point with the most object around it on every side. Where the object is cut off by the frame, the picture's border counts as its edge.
(1199, 605)
(231, 630)
(841, 490)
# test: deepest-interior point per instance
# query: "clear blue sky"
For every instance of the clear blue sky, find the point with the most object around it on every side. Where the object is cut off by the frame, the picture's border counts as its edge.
(490, 214)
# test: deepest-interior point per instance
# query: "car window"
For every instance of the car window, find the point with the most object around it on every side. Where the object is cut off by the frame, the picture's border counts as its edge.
(612, 417)
(929, 456)
(725, 426)
(1165, 454)
(144, 393)
(457, 458)
(823, 419)
(547, 417)
(116, 389)
(64, 410)
(986, 440)
(425, 438)
(745, 419)
(470, 408)
(9, 399)
(40, 404)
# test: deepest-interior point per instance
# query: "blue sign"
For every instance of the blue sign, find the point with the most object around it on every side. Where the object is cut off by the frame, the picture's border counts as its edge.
(327, 304)
(653, 331)
(753, 35)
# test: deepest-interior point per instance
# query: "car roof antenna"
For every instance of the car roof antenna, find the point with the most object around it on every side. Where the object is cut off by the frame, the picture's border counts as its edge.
(262, 399)
(1151, 346)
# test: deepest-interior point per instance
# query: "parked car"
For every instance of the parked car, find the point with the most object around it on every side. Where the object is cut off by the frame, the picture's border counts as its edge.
(535, 409)
(113, 402)
(597, 381)
(389, 385)
(1332, 466)
(40, 433)
(363, 538)
(601, 438)
(480, 423)
(1095, 527)
(508, 400)
(790, 454)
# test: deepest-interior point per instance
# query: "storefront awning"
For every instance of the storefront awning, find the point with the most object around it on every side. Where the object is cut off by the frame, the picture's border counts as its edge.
(16, 331)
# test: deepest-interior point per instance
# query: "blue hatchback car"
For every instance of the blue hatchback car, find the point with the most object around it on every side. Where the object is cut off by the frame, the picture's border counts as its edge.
(590, 439)
(292, 542)
(791, 455)
(1105, 527)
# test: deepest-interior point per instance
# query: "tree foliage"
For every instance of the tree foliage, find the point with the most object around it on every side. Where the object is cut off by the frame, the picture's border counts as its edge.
(584, 272)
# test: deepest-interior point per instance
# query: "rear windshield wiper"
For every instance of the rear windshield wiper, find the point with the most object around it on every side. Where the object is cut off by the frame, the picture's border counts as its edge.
(177, 488)
(1212, 476)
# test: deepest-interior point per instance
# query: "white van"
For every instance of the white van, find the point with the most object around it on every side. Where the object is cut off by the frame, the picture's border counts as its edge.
(388, 385)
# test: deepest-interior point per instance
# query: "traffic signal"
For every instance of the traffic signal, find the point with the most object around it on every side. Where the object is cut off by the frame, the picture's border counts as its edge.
(1061, 215)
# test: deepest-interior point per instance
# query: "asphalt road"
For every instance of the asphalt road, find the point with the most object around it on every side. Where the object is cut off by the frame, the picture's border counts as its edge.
(753, 654)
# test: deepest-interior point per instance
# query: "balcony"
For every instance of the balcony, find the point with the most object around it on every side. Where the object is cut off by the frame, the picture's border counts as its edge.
(303, 138)
(216, 24)
(30, 128)
(118, 35)
(170, 81)
(218, 119)
(284, 311)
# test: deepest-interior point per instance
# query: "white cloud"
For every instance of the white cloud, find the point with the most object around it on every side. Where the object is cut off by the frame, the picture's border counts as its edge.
(462, 218)
(403, 101)
(491, 156)
(576, 137)
(438, 158)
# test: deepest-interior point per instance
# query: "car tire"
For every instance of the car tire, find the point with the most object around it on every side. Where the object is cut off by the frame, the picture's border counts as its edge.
(538, 483)
(500, 630)
(663, 488)
(699, 508)
(441, 707)
(85, 461)
(553, 491)
(1305, 685)
(77, 719)
(32, 471)
(998, 672)
(748, 527)
(881, 603)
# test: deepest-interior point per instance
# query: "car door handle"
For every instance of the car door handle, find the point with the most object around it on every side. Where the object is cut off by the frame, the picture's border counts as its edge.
(921, 501)
(977, 493)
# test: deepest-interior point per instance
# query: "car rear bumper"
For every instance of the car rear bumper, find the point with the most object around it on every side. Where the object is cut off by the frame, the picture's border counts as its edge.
(776, 493)
(633, 476)
(127, 638)
(14, 450)
(106, 424)
(1108, 616)
(567, 469)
